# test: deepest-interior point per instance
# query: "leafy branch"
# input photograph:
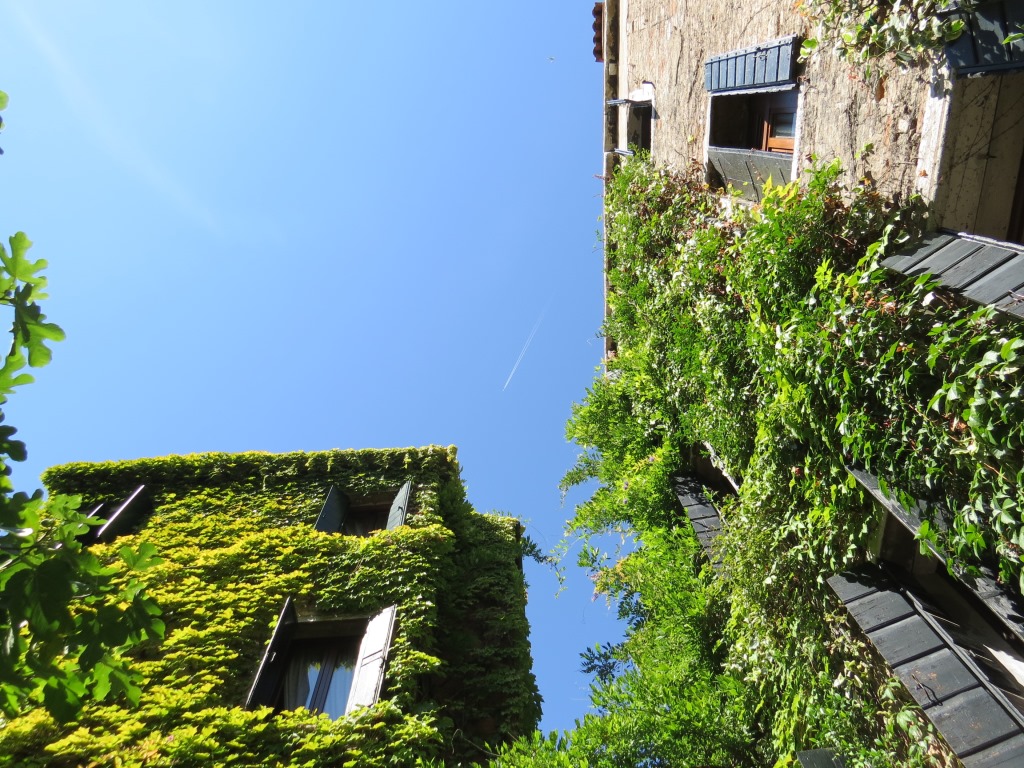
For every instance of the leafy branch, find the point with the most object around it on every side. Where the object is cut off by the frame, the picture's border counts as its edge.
(65, 617)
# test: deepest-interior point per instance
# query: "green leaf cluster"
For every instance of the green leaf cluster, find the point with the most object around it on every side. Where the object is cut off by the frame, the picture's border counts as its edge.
(864, 31)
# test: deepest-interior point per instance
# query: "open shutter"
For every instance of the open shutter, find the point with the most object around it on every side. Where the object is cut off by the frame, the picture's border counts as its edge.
(123, 517)
(980, 47)
(399, 506)
(332, 516)
(373, 652)
(89, 537)
(768, 66)
(949, 682)
(819, 758)
(275, 660)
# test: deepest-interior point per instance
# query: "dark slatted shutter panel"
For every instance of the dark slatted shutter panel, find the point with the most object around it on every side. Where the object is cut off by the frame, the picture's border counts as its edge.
(819, 758)
(123, 517)
(332, 516)
(962, 701)
(275, 660)
(399, 506)
(980, 47)
(373, 652)
(770, 65)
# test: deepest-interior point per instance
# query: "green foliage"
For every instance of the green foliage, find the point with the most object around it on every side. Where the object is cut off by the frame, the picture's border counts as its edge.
(910, 31)
(772, 334)
(235, 535)
(65, 617)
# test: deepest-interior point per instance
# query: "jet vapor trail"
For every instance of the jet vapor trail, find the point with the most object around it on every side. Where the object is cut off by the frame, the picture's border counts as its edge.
(526, 346)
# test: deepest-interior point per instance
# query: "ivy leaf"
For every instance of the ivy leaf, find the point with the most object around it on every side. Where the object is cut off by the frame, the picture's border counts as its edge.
(1009, 350)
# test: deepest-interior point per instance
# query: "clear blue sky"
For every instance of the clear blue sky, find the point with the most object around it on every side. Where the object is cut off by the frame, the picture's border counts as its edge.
(314, 225)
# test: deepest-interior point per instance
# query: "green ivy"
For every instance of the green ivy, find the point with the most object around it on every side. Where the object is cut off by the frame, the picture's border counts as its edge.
(235, 535)
(908, 31)
(773, 334)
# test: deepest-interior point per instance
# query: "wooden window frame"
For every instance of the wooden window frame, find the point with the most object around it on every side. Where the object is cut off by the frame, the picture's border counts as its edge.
(118, 518)
(744, 120)
(771, 143)
(362, 518)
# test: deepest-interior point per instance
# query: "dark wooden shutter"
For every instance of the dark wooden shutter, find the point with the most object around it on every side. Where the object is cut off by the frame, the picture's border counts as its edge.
(275, 660)
(332, 516)
(399, 506)
(770, 65)
(702, 513)
(979, 270)
(373, 652)
(974, 717)
(747, 170)
(124, 516)
(980, 47)
(819, 758)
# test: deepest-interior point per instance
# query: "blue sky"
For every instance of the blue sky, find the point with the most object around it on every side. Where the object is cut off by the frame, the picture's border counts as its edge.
(318, 225)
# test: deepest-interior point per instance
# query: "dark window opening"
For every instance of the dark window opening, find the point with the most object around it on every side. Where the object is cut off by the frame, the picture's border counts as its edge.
(364, 520)
(638, 125)
(120, 517)
(364, 515)
(758, 121)
(1015, 232)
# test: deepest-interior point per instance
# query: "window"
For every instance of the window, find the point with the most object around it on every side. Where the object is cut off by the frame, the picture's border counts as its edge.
(327, 665)
(120, 517)
(759, 121)
(752, 116)
(629, 120)
(780, 128)
(362, 517)
(639, 116)
(319, 675)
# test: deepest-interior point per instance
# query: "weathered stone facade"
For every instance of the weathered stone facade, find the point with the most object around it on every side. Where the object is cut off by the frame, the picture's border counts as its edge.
(666, 43)
(952, 132)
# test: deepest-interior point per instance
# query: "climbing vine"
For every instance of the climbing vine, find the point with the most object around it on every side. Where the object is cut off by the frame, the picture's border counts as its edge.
(235, 535)
(908, 31)
(773, 334)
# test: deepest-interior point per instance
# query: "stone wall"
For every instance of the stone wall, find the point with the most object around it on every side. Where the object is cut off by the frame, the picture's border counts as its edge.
(668, 41)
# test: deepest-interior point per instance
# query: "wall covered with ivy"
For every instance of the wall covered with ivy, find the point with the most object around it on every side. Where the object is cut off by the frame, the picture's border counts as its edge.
(774, 335)
(235, 537)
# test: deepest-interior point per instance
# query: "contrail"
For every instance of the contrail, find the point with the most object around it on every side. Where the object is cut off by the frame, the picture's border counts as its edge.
(526, 346)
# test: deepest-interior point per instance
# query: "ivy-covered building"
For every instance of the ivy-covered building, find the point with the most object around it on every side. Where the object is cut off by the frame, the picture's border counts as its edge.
(857, 374)
(329, 608)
